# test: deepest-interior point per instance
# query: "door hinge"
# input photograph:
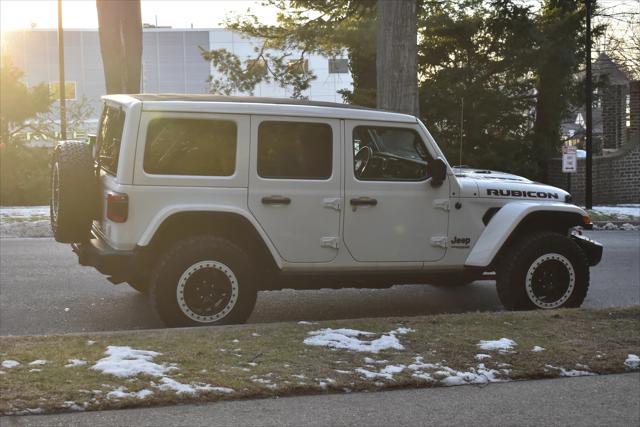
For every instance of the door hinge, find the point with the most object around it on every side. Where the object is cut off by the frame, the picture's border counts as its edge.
(332, 203)
(330, 242)
(439, 241)
(441, 204)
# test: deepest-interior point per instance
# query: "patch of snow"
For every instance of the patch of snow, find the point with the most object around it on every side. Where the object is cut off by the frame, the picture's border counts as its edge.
(624, 211)
(8, 364)
(347, 339)
(40, 228)
(35, 370)
(371, 361)
(90, 342)
(66, 309)
(38, 362)
(255, 334)
(503, 344)
(73, 406)
(482, 356)
(387, 372)
(29, 411)
(340, 371)
(299, 376)
(180, 388)
(235, 342)
(304, 322)
(75, 362)
(122, 393)
(571, 372)
(537, 349)
(632, 362)
(124, 361)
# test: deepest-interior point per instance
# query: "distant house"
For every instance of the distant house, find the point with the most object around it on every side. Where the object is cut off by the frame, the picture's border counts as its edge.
(613, 122)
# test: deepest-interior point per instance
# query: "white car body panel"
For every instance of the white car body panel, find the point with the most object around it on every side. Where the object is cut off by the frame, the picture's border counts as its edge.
(503, 224)
(395, 235)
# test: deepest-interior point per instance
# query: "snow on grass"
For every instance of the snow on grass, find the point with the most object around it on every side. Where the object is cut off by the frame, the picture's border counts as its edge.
(347, 339)
(436, 372)
(8, 364)
(503, 345)
(23, 211)
(482, 356)
(632, 362)
(38, 362)
(537, 349)
(122, 393)
(622, 212)
(571, 372)
(124, 361)
(75, 362)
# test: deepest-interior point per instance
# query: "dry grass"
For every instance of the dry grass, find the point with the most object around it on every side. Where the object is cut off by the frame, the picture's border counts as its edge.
(599, 339)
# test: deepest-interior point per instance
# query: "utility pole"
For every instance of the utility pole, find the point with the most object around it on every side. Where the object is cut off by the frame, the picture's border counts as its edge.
(588, 99)
(61, 88)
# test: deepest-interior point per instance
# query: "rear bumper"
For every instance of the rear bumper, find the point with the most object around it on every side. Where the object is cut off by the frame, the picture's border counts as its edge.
(120, 265)
(591, 248)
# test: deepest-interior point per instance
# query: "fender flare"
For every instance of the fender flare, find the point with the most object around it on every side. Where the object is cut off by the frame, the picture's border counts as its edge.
(168, 212)
(505, 222)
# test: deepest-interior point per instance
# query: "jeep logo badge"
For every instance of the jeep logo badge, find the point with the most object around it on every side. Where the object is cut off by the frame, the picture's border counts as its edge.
(460, 242)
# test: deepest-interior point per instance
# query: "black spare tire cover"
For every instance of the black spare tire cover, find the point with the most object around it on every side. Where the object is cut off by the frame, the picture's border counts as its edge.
(73, 192)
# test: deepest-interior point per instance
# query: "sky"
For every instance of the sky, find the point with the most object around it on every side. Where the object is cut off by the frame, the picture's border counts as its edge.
(22, 14)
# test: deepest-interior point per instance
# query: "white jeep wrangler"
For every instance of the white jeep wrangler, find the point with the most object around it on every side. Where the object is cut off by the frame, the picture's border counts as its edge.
(202, 201)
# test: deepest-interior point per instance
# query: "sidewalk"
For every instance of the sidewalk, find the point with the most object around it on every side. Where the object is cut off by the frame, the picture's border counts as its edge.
(598, 400)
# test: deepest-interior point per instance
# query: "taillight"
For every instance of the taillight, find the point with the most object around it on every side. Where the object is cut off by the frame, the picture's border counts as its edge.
(117, 207)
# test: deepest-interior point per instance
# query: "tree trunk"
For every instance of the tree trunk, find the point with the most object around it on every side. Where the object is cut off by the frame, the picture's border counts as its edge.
(396, 61)
(120, 29)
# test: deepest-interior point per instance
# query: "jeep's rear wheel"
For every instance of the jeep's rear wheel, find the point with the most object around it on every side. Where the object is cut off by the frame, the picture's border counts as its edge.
(73, 192)
(203, 280)
(543, 270)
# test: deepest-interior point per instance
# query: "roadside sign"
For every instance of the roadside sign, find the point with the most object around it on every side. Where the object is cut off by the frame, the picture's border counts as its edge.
(569, 159)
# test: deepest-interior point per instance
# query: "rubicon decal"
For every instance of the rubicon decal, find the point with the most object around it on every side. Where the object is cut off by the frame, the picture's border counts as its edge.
(460, 242)
(522, 193)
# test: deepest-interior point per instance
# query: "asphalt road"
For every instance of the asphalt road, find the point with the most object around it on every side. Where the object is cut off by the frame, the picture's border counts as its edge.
(610, 400)
(43, 291)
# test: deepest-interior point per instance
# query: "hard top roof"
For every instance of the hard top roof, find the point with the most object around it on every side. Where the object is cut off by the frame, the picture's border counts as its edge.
(242, 99)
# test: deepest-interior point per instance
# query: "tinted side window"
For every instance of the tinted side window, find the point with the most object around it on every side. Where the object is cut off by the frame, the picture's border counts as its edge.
(110, 138)
(295, 150)
(389, 154)
(190, 147)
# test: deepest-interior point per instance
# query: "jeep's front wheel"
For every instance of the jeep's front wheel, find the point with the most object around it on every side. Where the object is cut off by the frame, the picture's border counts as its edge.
(203, 280)
(543, 270)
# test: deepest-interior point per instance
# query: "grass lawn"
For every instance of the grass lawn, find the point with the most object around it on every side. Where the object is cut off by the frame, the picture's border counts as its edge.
(272, 359)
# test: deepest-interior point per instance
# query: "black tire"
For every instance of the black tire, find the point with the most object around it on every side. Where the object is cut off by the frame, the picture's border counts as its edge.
(224, 266)
(73, 192)
(543, 270)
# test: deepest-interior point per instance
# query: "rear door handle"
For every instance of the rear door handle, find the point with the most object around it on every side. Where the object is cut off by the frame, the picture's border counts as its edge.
(364, 201)
(276, 200)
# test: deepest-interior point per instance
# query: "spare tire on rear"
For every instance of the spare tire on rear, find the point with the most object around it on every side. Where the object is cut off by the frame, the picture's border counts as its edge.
(73, 192)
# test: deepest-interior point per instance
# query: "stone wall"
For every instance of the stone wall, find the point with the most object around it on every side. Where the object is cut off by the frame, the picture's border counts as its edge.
(616, 177)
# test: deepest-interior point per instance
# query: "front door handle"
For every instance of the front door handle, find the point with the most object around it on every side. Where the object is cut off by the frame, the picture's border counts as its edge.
(364, 201)
(276, 200)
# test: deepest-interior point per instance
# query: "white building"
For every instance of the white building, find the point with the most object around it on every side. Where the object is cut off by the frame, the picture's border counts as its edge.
(172, 62)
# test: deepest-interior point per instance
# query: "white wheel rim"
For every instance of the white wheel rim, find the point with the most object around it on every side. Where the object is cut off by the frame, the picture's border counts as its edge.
(535, 299)
(184, 278)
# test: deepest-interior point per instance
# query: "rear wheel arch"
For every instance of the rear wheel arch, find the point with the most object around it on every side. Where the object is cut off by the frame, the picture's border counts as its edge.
(226, 225)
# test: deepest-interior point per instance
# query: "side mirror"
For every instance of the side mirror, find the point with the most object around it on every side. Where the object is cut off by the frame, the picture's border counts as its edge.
(437, 169)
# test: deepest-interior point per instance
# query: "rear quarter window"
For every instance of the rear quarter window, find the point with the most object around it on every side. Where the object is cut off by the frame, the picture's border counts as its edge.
(110, 138)
(195, 147)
